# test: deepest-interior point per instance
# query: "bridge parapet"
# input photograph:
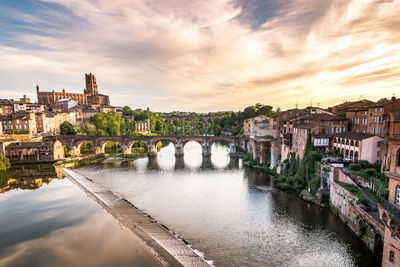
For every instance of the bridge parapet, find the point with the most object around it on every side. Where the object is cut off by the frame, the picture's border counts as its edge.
(98, 142)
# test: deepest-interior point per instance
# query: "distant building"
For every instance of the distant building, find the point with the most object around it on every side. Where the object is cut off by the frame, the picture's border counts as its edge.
(33, 152)
(50, 122)
(90, 97)
(23, 122)
(358, 146)
(6, 107)
(261, 131)
(342, 108)
(66, 103)
(143, 127)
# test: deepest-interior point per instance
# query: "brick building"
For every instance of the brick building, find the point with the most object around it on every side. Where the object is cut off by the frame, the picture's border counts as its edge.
(32, 152)
(342, 108)
(90, 97)
(22, 122)
(390, 210)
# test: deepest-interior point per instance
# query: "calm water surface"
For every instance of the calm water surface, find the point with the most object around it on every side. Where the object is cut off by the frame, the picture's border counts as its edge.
(48, 221)
(215, 205)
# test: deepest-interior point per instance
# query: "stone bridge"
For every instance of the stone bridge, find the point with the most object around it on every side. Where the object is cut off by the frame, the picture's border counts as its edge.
(98, 143)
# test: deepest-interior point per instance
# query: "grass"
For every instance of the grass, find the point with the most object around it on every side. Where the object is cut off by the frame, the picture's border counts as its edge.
(355, 191)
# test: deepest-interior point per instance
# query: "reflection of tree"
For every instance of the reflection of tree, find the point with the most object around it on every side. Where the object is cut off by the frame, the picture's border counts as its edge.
(4, 176)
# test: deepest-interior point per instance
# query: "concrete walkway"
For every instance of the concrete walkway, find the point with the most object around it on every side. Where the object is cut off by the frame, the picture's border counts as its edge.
(170, 250)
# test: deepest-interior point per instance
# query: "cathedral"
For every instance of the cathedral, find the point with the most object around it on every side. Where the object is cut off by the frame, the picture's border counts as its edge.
(90, 96)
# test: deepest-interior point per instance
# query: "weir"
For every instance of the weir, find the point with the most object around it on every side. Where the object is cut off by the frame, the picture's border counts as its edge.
(163, 244)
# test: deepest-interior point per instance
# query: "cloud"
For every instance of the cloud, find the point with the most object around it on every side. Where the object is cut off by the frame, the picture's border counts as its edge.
(207, 55)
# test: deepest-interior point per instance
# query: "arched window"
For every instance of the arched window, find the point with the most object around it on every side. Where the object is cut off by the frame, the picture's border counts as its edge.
(351, 155)
(342, 141)
(347, 153)
(356, 156)
(352, 143)
(342, 152)
(391, 257)
(347, 141)
(357, 144)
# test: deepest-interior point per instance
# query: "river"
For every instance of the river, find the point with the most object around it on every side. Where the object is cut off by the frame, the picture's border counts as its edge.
(46, 220)
(231, 214)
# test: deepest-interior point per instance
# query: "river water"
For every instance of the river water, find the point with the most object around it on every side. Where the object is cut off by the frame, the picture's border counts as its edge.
(230, 213)
(46, 220)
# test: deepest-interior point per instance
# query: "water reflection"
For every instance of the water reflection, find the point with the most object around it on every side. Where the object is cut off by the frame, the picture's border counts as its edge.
(28, 176)
(234, 215)
(57, 225)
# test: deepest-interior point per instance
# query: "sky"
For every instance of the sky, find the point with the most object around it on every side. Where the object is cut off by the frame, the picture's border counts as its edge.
(203, 55)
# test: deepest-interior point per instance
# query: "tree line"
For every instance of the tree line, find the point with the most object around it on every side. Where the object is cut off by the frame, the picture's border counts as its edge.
(112, 123)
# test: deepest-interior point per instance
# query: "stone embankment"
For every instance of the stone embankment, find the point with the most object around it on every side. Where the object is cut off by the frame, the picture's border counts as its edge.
(163, 244)
(364, 221)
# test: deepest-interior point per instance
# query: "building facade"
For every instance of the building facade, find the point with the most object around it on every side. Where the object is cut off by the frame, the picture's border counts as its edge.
(33, 152)
(390, 210)
(90, 97)
(17, 123)
(358, 146)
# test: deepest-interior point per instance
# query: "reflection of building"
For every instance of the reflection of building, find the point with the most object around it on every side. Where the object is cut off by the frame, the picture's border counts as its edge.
(28, 176)
(44, 151)
(90, 97)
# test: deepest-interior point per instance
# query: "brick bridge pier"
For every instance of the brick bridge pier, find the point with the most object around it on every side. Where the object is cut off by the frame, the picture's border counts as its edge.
(98, 143)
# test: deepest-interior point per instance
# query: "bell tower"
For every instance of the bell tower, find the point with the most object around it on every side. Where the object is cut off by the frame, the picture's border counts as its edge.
(91, 85)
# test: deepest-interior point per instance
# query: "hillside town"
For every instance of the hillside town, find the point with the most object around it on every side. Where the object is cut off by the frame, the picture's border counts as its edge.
(359, 172)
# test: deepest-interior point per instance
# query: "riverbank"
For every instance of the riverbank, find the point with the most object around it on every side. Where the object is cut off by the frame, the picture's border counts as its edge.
(163, 244)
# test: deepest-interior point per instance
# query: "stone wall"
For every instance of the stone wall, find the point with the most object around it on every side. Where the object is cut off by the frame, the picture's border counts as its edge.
(360, 221)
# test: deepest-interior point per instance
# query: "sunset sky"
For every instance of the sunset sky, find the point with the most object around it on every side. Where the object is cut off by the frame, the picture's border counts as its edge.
(203, 55)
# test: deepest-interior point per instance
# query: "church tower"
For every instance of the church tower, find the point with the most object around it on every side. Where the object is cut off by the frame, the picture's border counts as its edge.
(91, 86)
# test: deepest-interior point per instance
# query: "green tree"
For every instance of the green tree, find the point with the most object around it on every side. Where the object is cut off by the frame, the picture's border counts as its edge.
(88, 129)
(110, 123)
(4, 162)
(66, 128)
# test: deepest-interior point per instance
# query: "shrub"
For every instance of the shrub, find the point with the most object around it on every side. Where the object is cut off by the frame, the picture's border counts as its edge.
(354, 167)
(4, 162)
(371, 172)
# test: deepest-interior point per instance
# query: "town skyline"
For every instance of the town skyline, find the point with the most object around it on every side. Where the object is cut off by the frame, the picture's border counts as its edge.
(224, 54)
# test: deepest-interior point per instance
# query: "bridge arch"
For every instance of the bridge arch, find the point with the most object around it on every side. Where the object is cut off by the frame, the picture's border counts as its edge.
(138, 146)
(154, 141)
(105, 142)
(80, 144)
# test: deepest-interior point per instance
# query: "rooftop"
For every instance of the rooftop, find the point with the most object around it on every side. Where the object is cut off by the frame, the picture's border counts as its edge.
(354, 136)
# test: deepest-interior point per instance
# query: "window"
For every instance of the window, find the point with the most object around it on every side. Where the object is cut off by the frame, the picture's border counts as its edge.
(381, 109)
(391, 257)
(357, 144)
(376, 109)
(397, 195)
(398, 158)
